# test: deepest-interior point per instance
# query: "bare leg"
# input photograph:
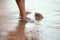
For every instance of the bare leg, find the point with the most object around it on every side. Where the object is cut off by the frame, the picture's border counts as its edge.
(21, 5)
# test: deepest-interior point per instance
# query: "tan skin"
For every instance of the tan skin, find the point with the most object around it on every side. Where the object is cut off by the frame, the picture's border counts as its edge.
(21, 6)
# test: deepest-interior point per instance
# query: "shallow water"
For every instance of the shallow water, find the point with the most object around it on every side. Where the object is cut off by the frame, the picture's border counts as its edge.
(13, 29)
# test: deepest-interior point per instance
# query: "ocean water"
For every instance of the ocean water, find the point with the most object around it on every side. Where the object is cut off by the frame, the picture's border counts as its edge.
(49, 27)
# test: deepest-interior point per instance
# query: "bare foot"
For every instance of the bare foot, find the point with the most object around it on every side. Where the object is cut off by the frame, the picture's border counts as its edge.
(27, 12)
(27, 20)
